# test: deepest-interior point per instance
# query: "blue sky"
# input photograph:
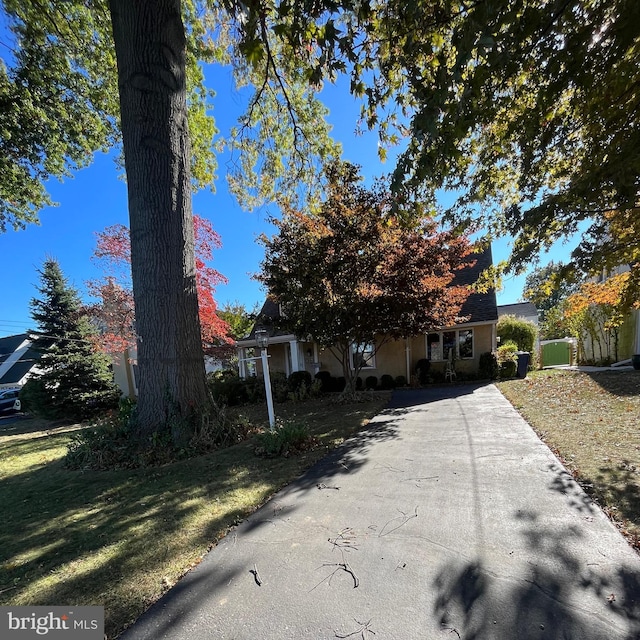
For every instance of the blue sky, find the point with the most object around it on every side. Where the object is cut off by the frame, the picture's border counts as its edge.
(96, 198)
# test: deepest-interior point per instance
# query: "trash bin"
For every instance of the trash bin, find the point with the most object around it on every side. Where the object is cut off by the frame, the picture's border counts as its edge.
(523, 363)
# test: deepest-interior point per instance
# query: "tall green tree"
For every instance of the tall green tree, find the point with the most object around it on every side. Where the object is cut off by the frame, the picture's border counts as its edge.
(527, 109)
(63, 98)
(74, 379)
(239, 318)
(556, 324)
(546, 287)
(352, 276)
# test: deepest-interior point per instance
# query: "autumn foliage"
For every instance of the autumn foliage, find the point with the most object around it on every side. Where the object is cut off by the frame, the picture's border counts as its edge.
(353, 273)
(115, 309)
(597, 311)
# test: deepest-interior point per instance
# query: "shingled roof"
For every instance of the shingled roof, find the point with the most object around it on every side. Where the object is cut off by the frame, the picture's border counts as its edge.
(271, 319)
(478, 307)
(519, 309)
(17, 357)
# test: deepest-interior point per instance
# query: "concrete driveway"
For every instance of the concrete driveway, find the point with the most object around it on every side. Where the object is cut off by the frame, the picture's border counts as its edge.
(446, 518)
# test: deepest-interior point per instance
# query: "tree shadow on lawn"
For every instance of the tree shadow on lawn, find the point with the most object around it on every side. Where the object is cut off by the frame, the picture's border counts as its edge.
(551, 594)
(31, 446)
(118, 524)
(622, 384)
(28, 426)
(119, 520)
(617, 489)
(623, 484)
(620, 488)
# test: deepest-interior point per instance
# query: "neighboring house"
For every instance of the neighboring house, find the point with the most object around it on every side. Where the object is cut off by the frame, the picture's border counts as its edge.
(125, 370)
(628, 334)
(18, 359)
(477, 335)
(522, 310)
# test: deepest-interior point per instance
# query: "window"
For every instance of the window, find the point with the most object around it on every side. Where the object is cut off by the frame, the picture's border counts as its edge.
(363, 355)
(448, 342)
(465, 344)
(439, 344)
(434, 347)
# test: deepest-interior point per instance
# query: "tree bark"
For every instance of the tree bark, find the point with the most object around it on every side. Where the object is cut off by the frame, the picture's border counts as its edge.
(150, 50)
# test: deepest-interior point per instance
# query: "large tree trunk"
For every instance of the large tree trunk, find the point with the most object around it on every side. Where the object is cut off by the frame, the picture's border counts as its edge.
(150, 51)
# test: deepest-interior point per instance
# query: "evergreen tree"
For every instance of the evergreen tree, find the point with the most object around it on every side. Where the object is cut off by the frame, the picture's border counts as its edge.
(74, 380)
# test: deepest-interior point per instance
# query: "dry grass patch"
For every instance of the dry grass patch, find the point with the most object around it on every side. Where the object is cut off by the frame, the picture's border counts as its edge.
(592, 422)
(122, 538)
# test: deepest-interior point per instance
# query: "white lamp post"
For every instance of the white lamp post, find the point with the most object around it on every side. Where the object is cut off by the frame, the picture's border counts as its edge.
(262, 340)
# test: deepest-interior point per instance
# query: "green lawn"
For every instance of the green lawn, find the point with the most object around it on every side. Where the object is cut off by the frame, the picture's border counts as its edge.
(592, 422)
(122, 538)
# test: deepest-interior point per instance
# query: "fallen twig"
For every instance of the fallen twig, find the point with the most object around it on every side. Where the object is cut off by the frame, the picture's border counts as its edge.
(404, 517)
(322, 485)
(344, 566)
(256, 575)
(341, 541)
(364, 628)
(388, 467)
(420, 478)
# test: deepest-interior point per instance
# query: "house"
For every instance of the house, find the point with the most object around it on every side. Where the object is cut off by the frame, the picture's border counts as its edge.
(522, 310)
(18, 359)
(125, 370)
(603, 345)
(477, 335)
(630, 337)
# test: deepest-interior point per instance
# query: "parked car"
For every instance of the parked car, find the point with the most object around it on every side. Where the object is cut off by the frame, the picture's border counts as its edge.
(9, 400)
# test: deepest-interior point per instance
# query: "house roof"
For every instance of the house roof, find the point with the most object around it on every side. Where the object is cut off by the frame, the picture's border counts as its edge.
(478, 307)
(268, 318)
(520, 310)
(9, 344)
(17, 357)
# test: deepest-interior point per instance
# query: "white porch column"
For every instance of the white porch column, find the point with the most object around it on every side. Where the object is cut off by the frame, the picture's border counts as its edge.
(316, 359)
(242, 369)
(295, 355)
(131, 377)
